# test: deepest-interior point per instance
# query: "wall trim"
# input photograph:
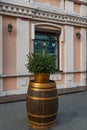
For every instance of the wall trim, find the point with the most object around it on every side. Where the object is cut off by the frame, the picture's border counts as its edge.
(30, 74)
(42, 13)
(15, 75)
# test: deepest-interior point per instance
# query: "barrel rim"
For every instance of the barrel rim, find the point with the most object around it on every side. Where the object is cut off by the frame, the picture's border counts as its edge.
(42, 89)
(50, 84)
(42, 99)
(42, 116)
(41, 124)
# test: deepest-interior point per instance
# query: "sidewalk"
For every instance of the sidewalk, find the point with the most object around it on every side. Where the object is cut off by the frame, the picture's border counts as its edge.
(72, 114)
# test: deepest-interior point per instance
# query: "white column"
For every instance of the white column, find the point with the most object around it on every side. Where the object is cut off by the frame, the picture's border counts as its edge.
(84, 10)
(83, 55)
(69, 46)
(61, 40)
(1, 56)
(33, 31)
(22, 45)
(62, 4)
(83, 45)
(69, 6)
(69, 54)
(22, 51)
(31, 1)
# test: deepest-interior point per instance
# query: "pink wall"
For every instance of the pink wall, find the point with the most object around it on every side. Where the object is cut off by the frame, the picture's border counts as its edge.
(77, 8)
(52, 2)
(9, 84)
(77, 78)
(77, 56)
(62, 81)
(9, 46)
(9, 52)
(77, 51)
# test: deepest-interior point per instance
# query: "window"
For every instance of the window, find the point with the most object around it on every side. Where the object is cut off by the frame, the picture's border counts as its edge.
(47, 43)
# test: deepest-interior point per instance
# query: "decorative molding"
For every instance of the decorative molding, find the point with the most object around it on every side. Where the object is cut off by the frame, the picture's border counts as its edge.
(42, 13)
(72, 72)
(14, 75)
(49, 24)
(30, 74)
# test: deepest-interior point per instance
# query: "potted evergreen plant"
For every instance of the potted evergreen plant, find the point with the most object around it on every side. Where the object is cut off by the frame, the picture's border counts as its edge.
(42, 92)
(42, 65)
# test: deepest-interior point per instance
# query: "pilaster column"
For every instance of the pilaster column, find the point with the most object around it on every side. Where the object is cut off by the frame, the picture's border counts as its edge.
(69, 6)
(31, 1)
(69, 54)
(1, 56)
(84, 10)
(62, 4)
(22, 51)
(83, 55)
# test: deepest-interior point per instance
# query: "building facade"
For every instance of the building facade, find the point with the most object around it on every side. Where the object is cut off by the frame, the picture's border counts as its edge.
(56, 26)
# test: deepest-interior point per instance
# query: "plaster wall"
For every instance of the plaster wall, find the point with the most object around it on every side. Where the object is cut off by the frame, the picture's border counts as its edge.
(77, 55)
(9, 45)
(9, 84)
(50, 2)
(77, 50)
(77, 8)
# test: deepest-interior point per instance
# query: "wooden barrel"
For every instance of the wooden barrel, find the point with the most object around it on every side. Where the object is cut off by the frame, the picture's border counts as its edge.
(42, 104)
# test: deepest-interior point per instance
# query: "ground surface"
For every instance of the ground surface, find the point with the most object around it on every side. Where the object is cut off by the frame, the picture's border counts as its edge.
(72, 114)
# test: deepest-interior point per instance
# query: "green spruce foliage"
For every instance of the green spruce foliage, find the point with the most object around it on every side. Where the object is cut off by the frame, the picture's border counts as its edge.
(40, 63)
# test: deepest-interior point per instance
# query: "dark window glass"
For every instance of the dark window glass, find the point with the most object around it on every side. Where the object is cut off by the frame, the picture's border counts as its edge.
(47, 43)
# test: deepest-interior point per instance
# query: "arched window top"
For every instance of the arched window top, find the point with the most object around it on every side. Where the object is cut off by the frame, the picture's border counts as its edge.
(48, 27)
